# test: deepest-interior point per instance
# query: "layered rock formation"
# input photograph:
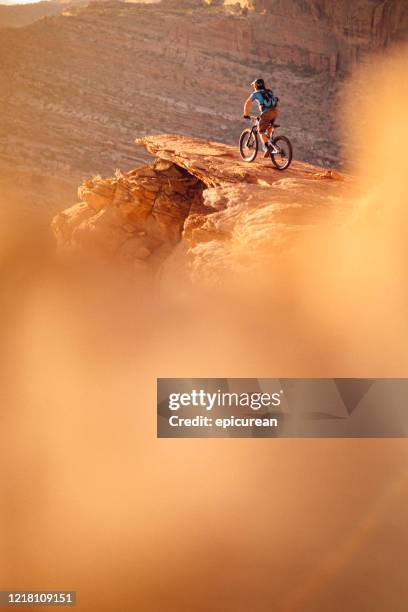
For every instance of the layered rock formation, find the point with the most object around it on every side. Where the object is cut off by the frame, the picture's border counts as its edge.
(224, 212)
(134, 217)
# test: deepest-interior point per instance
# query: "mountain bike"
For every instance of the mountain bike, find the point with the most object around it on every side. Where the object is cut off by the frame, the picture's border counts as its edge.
(281, 149)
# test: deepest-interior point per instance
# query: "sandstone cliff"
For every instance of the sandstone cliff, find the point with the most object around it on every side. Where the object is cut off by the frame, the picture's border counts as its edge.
(224, 212)
(357, 27)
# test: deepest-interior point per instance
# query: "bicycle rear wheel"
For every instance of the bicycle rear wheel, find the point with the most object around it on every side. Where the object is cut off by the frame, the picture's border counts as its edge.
(282, 159)
(248, 145)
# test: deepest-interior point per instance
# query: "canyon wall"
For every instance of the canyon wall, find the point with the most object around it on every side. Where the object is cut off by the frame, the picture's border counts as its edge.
(356, 29)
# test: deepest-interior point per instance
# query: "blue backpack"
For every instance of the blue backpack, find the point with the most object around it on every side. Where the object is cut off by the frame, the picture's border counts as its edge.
(268, 100)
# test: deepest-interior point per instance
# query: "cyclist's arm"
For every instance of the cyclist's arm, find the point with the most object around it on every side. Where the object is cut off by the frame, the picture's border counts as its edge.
(247, 106)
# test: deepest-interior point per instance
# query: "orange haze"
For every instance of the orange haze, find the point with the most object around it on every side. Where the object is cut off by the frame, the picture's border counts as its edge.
(92, 501)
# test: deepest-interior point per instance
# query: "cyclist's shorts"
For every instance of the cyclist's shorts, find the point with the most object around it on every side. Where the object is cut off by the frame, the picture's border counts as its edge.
(266, 118)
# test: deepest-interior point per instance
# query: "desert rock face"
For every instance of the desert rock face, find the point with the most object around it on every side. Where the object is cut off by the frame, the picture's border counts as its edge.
(75, 89)
(134, 217)
(198, 193)
(348, 31)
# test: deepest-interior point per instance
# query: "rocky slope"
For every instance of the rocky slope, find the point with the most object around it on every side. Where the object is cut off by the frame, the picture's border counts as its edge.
(223, 211)
(17, 15)
(76, 88)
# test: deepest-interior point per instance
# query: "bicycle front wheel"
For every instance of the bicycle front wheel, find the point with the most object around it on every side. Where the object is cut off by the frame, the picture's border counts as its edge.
(248, 145)
(281, 160)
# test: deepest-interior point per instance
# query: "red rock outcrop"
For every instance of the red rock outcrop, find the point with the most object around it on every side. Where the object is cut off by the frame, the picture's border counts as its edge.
(134, 217)
(201, 194)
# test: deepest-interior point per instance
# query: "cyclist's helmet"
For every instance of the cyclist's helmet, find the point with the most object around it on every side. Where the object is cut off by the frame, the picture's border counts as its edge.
(259, 83)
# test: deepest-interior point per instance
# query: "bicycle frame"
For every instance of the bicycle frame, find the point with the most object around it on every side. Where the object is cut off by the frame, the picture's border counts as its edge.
(255, 128)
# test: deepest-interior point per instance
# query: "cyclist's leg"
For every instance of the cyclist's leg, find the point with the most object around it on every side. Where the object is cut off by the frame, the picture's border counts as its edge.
(273, 114)
(263, 129)
(264, 125)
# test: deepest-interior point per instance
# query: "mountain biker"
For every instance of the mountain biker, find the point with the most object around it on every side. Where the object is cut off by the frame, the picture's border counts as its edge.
(269, 109)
